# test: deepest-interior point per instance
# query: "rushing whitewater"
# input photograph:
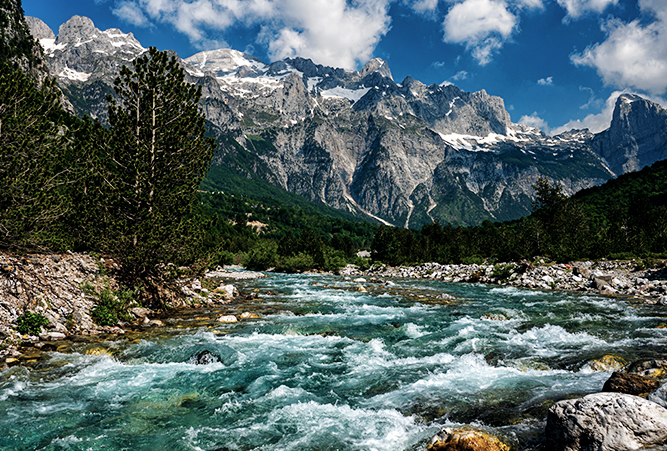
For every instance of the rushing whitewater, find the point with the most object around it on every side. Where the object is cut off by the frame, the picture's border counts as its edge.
(329, 367)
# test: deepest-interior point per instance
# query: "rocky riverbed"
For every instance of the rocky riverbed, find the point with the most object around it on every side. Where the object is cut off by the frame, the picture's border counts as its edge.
(62, 288)
(612, 278)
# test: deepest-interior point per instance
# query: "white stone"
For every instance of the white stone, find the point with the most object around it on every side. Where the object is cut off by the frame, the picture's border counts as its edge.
(360, 280)
(229, 291)
(605, 422)
(52, 336)
(227, 319)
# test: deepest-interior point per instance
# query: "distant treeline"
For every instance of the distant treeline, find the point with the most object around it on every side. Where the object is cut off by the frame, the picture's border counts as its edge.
(624, 218)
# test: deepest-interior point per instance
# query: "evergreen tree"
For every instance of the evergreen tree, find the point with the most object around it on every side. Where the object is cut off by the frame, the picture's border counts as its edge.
(156, 158)
(32, 175)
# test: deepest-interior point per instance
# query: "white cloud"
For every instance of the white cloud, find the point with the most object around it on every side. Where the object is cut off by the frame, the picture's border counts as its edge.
(577, 8)
(131, 13)
(634, 55)
(534, 121)
(460, 75)
(601, 121)
(424, 7)
(332, 32)
(546, 81)
(482, 26)
(535, 4)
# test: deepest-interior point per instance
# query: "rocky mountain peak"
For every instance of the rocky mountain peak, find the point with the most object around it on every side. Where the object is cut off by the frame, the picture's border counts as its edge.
(39, 29)
(637, 136)
(75, 29)
(376, 65)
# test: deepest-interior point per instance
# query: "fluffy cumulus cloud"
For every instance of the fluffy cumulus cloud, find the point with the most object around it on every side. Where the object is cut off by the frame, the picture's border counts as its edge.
(634, 55)
(482, 26)
(332, 32)
(534, 121)
(577, 8)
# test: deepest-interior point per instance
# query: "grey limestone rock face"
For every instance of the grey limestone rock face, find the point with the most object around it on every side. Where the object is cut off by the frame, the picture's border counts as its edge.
(637, 136)
(39, 29)
(605, 422)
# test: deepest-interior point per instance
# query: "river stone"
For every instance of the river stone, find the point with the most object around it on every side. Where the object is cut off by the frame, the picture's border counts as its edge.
(659, 396)
(205, 358)
(653, 368)
(227, 319)
(140, 312)
(228, 291)
(605, 422)
(466, 439)
(52, 336)
(631, 384)
(606, 363)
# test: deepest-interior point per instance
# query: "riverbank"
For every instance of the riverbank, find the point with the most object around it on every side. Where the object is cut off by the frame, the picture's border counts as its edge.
(63, 287)
(610, 278)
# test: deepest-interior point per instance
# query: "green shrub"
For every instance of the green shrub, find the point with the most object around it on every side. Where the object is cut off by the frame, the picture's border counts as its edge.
(362, 263)
(263, 255)
(296, 263)
(502, 272)
(111, 306)
(473, 260)
(31, 323)
(333, 260)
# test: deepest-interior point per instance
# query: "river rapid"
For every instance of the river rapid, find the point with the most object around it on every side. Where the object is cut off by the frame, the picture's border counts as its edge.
(328, 366)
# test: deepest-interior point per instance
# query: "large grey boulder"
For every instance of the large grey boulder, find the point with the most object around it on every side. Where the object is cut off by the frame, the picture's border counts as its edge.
(659, 396)
(605, 422)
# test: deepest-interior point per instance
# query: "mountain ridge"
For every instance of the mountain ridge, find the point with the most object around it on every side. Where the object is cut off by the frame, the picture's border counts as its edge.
(404, 153)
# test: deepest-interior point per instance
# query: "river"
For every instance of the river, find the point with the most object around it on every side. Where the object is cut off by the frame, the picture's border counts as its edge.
(328, 366)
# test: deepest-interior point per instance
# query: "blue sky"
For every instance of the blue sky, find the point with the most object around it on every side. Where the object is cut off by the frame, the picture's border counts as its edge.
(558, 64)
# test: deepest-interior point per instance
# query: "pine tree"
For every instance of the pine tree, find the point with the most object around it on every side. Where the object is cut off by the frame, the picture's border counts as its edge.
(32, 175)
(156, 158)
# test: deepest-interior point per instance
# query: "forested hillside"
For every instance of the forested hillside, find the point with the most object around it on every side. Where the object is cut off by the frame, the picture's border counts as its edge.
(623, 218)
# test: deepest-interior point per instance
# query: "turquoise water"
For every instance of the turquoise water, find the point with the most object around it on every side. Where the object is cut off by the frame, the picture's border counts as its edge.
(329, 368)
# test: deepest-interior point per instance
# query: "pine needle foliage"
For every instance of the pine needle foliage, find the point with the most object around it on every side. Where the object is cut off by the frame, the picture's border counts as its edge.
(156, 157)
(32, 176)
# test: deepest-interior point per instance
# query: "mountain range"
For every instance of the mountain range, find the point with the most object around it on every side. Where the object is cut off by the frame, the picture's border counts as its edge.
(402, 153)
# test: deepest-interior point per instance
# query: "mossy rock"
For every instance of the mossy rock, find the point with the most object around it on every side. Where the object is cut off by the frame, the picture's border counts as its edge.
(466, 439)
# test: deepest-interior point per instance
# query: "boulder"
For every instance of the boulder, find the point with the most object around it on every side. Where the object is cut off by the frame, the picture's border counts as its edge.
(205, 358)
(140, 312)
(249, 315)
(466, 439)
(228, 291)
(52, 336)
(659, 396)
(631, 384)
(606, 363)
(652, 368)
(605, 422)
(227, 319)
(600, 283)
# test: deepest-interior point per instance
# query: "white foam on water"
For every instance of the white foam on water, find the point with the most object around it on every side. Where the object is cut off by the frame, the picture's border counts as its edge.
(515, 292)
(551, 341)
(464, 378)
(414, 331)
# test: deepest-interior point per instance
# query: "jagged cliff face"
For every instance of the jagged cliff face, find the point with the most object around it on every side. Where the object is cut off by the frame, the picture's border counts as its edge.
(404, 153)
(17, 46)
(637, 136)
